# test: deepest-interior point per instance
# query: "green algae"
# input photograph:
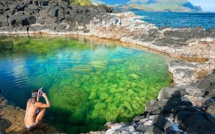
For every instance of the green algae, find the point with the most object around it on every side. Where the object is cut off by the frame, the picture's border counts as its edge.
(88, 87)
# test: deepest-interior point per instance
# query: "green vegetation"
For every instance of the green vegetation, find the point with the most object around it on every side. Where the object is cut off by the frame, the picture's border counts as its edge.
(81, 2)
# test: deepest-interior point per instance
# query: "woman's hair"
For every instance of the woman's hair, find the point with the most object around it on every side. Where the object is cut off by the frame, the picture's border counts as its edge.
(34, 93)
(33, 98)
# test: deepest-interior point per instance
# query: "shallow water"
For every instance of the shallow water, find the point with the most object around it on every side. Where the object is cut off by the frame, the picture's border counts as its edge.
(87, 83)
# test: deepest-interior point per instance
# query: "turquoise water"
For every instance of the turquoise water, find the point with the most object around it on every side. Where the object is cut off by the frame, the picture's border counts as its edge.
(179, 20)
(88, 84)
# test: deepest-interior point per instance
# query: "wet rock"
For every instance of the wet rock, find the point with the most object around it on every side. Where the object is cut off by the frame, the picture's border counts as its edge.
(154, 107)
(210, 118)
(171, 92)
(40, 20)
(161, 122)
(138, 118)
(153, 130)
(166, 106)
(142, 37)
(209, 91)
(60, 14)
(182, 33)
(165, 42)
(183, 72)
(149, 39)
(51, 20)
(204, 83)
(199, 32)
(17, 20)
(175, 132)
(211, 109)
(35, 28)
(175, 105)
(70, 20)
(62, 27)
(19, 13)
(21, 6)
(198, 124)
(28, 20)
(148, 120)
(207, 85)
(154, 33)
(207, 103)
(195, 100)
(183, 115)
(53, 12)
(181, 64)
(3, 21)
(12, 7)
(141, 127)
(28, 11)
(193, 91)
(111, 128)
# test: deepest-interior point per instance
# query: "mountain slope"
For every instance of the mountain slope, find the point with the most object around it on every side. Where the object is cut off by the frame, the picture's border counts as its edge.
(156, 5)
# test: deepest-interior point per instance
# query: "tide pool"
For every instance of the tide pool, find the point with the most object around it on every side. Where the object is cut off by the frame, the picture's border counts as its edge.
(88, 84)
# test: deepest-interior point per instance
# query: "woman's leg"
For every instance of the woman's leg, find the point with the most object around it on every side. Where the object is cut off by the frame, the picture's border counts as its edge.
(40, 115)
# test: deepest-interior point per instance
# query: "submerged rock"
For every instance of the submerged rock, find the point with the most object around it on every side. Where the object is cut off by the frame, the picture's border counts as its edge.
(176, 111)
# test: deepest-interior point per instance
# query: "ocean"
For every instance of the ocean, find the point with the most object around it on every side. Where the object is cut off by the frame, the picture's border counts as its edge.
(179, 20)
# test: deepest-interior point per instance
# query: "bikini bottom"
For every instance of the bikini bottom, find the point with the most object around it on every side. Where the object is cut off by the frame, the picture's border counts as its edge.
(30, 126)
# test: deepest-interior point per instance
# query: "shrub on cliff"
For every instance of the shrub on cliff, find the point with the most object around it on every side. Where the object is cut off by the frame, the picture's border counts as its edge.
(81, 2)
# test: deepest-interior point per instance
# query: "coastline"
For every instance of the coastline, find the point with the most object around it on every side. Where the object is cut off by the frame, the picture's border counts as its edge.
(126, 28)
(177, 43)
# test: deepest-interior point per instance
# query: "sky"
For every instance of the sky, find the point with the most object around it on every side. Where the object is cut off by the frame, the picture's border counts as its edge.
(207, 5)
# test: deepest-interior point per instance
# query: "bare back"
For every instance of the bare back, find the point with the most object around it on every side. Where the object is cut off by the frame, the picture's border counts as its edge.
(31, 117)
(30, 112)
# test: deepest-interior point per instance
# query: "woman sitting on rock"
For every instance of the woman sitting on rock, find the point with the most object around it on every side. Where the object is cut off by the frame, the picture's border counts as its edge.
(35, 110)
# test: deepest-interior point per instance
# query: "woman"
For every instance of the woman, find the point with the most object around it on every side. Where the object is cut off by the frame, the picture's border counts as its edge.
(35, 110)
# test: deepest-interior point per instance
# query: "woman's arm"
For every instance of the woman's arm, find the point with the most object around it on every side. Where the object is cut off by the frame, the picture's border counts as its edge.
(41, 105)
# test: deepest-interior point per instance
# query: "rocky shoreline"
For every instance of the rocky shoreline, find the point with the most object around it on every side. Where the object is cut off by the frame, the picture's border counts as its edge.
(186, 107)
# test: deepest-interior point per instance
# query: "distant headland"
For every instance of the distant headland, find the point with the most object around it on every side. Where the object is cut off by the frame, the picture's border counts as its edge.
(152, 5)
